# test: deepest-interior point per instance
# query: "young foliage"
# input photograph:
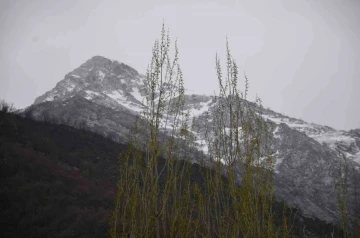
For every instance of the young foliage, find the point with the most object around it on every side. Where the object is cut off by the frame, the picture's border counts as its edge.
(232, 198)
(346, 186)
(239, 148)
(153, 196)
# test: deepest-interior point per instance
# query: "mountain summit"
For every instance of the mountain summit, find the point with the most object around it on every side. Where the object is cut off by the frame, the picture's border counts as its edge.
(101, 80)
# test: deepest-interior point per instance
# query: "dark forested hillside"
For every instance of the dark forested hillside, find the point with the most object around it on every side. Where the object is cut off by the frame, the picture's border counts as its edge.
(57, 181)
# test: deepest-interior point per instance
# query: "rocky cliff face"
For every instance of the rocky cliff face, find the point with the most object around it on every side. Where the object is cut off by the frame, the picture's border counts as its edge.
(106, 95)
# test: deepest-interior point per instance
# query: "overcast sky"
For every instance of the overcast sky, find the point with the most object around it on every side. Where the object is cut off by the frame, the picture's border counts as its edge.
(302, 57)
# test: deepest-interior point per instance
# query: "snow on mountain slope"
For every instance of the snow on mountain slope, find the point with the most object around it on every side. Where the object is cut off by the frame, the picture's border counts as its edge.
(101, 80)
(107, 95)
(337, 140)
(118, 86)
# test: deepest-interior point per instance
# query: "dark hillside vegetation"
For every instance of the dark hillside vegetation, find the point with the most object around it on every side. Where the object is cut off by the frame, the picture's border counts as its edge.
(57, 181)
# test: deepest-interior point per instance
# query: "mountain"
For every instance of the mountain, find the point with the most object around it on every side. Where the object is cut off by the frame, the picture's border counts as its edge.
(104, 93)
(100, 80)
(59, 181)
(105, 96)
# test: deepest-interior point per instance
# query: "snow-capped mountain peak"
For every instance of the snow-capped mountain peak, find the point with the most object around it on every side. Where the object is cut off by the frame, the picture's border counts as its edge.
(102, 80)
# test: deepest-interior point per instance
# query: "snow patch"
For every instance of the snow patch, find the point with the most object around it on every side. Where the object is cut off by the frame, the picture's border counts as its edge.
(275, 133)
(273, 119)
(239, 130)
(91, 94)
(137, 95)
(121, 99)
(204, 108)
(331, 139)
(278, 161)
(356, 158)
(49, 98)
(293, 125)
(101, 75)
(116, 95)
(70, 87)
(202, 146)
(75, 76)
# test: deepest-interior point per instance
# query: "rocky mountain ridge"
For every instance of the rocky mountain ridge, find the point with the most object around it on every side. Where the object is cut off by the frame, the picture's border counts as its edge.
(107, 95)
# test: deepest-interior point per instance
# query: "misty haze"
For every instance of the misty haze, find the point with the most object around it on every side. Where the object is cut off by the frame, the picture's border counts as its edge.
(180, 118)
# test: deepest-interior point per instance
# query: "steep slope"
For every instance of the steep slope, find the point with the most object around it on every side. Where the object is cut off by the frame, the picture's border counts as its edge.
(307, 159)
(101, 94)
(347, 142)
(103, 81)
(105, 96)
